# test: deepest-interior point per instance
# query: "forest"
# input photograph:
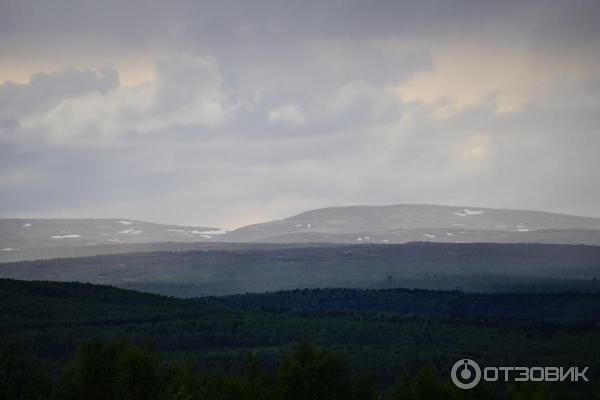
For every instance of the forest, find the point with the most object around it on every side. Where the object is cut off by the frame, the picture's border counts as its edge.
(122, 371)
(218, 270)
(386, 343)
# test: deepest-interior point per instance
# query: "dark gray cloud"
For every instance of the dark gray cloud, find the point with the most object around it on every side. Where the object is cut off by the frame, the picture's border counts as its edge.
(142, 20)
(257, 110)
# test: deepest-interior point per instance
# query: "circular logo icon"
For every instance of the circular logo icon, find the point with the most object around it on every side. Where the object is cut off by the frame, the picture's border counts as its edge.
(465, 374)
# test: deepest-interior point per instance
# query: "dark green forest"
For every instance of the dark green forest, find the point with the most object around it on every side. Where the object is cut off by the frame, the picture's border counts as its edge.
(370, 343)
(120, 370)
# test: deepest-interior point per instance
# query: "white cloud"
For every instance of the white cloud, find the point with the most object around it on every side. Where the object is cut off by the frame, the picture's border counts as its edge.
(287, 114)
(475, 149)
(186, 93)
(467, 74)
(362, 102)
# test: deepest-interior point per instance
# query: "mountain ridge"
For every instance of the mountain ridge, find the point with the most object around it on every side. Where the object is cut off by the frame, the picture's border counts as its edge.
(24, 238)
(389, 218)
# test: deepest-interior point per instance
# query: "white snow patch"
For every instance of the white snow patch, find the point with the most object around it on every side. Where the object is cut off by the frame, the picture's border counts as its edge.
(210, 232)
(176, 230)
(132, 231)
(298, 225)
(65, 236)
(523, 230)
(27, 225)
(385, 241)
(114, 240)
(124, 222)
(429, 235)
(449, 234)
(206, 236)
(360, 239)
(308, 225)
(9, 249)
(367, 237)
(466, 212)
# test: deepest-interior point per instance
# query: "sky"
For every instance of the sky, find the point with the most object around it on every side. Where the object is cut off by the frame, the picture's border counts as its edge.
(228, 113)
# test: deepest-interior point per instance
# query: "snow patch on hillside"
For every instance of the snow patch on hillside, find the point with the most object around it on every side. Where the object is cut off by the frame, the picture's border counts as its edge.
(209, 232)
(466, 212)
(132, 231)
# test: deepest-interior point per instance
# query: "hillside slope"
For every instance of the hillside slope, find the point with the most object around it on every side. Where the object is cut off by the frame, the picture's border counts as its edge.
(383, 332)
(30, 239)
(435, 223)
(18, 236)
(261, 268)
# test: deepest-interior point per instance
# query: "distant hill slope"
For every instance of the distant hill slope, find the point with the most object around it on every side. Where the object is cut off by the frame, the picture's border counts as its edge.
(106, 304)
(17, 235)
(234, 269)
(28, 239)
(404, 223)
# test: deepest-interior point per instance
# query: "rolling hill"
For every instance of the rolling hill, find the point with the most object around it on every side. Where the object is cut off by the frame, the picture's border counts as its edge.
(433, 223)
(30, 239)
(42, 238)
(384, 332)
(234, 269)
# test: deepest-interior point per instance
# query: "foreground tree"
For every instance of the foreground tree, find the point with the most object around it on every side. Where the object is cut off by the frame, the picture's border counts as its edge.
(21, 375)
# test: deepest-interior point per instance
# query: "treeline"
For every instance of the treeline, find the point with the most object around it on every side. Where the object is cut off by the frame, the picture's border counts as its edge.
(122, 371)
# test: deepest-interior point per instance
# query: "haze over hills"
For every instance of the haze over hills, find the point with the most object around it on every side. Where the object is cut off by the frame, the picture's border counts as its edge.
(243, 268)
(22, 239)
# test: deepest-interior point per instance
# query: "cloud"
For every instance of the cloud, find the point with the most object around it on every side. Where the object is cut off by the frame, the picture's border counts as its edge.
(46, 90)
(467, 74)
(360, 100)
(234, 112)
(359, 144)
(187, 93)
(288, 113)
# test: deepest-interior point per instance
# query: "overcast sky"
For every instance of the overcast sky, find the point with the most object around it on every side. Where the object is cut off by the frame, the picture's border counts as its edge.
(226, 113)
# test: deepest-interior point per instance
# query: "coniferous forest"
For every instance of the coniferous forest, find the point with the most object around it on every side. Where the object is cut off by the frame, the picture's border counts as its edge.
(84, 341)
